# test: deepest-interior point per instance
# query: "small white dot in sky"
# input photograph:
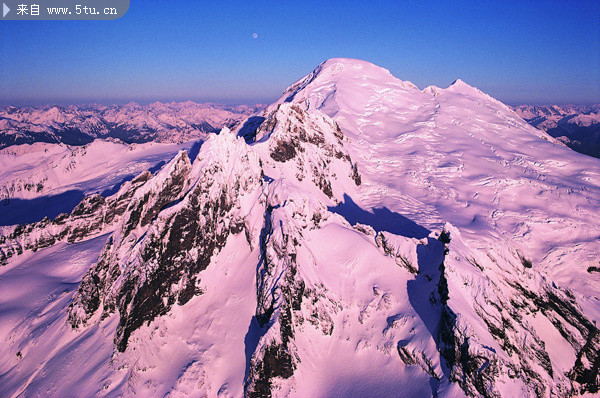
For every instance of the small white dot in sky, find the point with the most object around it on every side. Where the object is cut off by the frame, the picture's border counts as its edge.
(255, 35)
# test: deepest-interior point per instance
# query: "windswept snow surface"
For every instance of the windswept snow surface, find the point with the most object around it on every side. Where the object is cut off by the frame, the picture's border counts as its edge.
(360, 237)
(41, 355)
(457, 155)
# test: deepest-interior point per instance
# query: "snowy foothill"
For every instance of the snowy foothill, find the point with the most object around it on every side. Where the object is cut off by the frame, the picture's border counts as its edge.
(43, 179)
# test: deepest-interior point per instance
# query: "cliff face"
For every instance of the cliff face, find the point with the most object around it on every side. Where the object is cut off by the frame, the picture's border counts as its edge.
(170, 231)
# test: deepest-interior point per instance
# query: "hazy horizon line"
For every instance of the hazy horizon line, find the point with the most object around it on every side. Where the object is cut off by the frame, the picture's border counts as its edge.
(216, 101)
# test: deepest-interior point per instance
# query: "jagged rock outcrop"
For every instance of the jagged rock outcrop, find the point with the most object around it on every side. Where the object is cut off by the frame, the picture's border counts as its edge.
(170, 232)
(499, 342)
(92, 216)
(312, 150)
(309, 142)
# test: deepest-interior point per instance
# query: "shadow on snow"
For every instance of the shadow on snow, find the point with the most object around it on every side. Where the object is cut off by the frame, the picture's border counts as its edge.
(15, 211)
(25, 211)
(380, 219)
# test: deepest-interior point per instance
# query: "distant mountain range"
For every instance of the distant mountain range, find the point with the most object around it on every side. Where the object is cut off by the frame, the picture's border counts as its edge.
(131, 123)
(576, 126)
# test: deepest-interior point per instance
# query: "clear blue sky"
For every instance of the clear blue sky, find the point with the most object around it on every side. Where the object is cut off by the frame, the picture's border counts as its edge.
(517, 51)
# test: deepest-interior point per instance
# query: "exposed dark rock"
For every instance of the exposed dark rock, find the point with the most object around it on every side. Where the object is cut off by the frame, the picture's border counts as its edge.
(140, 301)
(88, 218)
(406, 355)
(146, 270)
(381, 239)
(525, 261)
(586, 371)
(338, 132)
(278, 298)
(416, 358)
(89, 205)
(445, 237)
(277, 362)
(323, 183)
(355, 175)
(476, 368)
(283, 151)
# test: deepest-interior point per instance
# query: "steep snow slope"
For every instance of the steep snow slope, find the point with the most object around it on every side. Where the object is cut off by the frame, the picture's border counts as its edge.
(225, 267)
(517, 199)
(41, 355)
(363, 238)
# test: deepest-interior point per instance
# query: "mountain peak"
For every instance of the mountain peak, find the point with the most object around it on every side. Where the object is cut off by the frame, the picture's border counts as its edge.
(334, 66)
(460, 86)
(334, 74)
(427, 231)
(459, 83)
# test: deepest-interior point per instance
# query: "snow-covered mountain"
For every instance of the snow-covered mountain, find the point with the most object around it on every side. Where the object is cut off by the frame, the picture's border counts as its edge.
(576, 126)
(358, 237)
(43, 179)
(162, 122)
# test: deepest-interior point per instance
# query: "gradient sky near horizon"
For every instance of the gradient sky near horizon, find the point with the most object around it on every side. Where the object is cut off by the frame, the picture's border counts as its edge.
(538, 52)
